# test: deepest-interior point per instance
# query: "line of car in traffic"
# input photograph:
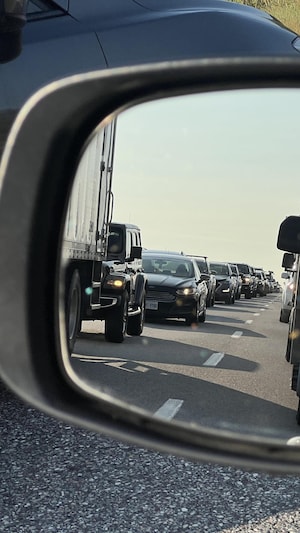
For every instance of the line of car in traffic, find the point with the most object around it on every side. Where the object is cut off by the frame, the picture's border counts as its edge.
(183, 286)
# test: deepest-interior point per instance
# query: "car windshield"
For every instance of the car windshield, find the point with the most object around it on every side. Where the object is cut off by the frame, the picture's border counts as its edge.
(202, 265)
(243, 268)
(220, 269)
(180, 267)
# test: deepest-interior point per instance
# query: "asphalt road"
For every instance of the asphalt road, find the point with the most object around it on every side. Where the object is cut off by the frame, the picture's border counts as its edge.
(56, 478)
(228, 373)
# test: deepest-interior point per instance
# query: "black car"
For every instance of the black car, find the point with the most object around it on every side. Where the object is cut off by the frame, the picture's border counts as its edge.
(238, 280)
(226, 282)
(249, 282)
(262, 285)
(175, 288)
(208, 277)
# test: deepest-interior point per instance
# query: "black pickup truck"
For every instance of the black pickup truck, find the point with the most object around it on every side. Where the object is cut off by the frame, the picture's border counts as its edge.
(123, 281)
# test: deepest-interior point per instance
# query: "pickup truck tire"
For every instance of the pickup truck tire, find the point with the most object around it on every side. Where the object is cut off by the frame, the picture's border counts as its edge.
(135, 324)
(284, 315)
(116, 321)
(73, 305)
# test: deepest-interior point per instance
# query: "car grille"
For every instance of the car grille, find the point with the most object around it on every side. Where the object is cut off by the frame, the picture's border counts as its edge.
(161, 296)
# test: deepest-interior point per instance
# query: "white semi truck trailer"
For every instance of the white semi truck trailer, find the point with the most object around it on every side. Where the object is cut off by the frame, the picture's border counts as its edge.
(102, 282)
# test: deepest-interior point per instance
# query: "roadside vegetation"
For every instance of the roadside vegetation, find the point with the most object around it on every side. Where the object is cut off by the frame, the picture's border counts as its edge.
(286, 11)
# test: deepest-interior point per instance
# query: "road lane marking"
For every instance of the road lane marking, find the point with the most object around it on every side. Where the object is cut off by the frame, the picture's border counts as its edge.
(140, 368)
(120, 366)
(248, 321)
(214, 359)
(237, 334)
(256, 314)
(169, 409)
(262, 309)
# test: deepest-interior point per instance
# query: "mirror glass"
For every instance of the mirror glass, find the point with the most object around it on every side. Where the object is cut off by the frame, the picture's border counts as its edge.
(212, 175)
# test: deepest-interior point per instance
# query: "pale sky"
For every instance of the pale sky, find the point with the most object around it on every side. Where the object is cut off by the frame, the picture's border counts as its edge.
(211, 174)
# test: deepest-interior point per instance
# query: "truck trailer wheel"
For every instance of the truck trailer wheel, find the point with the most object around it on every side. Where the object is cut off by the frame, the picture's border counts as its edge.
(73, 309)
(116, 321)
(135, 324)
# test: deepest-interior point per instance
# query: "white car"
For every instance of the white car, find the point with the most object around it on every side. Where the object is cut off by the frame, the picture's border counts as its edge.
(287, 295)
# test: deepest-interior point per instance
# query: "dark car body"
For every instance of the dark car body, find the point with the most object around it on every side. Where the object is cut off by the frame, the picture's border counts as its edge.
(249, 282)
(174, 288)
(238, 280)
(208, 277)
(225, 290)
(63, 38)
(262, 285)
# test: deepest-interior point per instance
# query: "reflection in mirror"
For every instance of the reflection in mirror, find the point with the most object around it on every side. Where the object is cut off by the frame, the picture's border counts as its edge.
(201, 183)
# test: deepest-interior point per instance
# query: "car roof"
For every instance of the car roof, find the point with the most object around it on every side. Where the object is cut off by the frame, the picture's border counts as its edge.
(170, 255)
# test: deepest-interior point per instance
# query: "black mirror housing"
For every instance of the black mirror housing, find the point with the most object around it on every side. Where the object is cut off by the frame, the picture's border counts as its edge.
(136, 252)
(31, 292)
(289, 235)
(288, 260)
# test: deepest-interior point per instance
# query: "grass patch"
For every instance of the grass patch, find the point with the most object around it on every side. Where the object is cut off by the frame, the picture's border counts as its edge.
(287, 11)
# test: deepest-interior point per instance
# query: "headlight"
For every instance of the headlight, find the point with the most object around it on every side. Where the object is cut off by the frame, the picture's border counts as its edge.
(115, 283)
(247, 280)
(187, 291)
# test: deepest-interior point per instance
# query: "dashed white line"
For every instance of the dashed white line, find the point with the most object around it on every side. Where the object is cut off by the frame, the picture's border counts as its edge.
(237, 334)
(169, 409)
(248, 321)
(214, 359)
(140, 368)
(256, 314)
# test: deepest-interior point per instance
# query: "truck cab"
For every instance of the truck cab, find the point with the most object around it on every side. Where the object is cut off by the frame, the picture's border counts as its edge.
(124, 282)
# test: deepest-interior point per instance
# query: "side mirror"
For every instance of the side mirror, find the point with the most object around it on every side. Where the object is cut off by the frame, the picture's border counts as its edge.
(285, 275)
(289, 235)
(86, 387)
(288, 261)
(136, 253)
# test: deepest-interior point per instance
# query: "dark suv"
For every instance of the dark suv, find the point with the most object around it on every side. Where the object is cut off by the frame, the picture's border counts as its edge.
(226, 282)
(249, 282)
(124, 282)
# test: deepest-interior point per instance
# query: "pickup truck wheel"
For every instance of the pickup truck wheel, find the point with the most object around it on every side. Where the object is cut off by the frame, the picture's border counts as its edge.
(73, 305)
(284, 315)
(135, 324)
(116, 321)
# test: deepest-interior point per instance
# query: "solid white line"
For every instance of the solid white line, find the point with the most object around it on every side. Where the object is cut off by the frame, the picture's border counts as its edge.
(236, 334)
(248, 321)
(169, 409)
(214, 359)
